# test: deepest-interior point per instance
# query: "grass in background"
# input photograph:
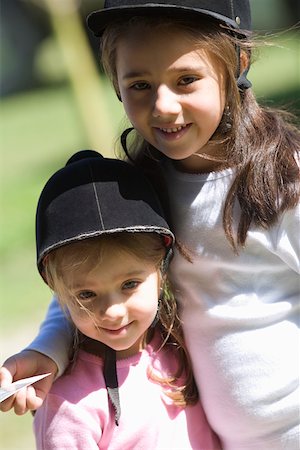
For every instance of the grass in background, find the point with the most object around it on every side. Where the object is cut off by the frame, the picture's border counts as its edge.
(276, 72)
(38, 132)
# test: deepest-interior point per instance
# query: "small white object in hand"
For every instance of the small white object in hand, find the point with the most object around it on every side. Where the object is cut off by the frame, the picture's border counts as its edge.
(7, 391)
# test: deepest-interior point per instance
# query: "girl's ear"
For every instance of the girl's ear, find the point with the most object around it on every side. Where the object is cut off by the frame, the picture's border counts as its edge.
(244, 61)
(242, 81)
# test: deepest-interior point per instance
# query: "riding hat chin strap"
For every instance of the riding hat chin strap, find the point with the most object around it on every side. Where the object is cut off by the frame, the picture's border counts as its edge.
(110, 370)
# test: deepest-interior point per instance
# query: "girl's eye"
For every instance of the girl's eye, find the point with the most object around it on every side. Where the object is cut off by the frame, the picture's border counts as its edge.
(140, 86)
(131, 284)
(188, 80)
(86, 295)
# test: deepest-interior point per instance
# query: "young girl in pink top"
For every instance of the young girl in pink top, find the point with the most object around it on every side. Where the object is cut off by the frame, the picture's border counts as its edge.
(130, 385)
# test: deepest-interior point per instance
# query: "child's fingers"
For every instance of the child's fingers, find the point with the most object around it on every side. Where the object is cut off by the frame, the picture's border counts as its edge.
(19, 405)
(27, 399)
(37, 393)
(6, 405)
(33, 399)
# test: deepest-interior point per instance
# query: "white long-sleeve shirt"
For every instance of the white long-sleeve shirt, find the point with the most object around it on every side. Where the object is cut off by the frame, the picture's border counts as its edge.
(240, 316)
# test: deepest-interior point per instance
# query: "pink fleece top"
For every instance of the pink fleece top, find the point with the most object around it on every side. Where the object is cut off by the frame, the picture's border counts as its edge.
(77, 414)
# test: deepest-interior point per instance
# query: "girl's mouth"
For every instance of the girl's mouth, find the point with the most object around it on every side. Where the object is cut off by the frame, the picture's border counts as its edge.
(116, 332)
(173, 129)
(174, 132)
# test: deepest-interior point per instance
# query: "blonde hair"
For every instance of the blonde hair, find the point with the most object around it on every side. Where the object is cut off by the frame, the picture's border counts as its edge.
(262, 143)
(149, 247)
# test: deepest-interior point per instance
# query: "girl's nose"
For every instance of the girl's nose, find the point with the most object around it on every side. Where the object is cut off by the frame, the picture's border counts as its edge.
(112, 308)
(166, 102)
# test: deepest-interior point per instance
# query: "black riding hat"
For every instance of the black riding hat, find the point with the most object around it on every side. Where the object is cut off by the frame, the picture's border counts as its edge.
(92, 196)
(233, 13)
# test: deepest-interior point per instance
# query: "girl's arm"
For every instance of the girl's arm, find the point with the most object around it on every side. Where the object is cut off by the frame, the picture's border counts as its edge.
(55, 337)
(49, 352)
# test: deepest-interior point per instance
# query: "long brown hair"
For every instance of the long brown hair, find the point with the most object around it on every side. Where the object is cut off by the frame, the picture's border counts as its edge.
(150, 248)
(262, 143)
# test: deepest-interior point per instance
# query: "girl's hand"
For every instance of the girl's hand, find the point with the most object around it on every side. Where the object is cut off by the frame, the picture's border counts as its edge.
(22, 365)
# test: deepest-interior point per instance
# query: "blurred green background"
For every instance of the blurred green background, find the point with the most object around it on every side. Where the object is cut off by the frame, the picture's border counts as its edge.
(54, 101)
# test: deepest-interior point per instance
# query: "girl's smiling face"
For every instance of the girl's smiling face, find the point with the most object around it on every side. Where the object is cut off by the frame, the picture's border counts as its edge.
(116, 302)
(172, 91)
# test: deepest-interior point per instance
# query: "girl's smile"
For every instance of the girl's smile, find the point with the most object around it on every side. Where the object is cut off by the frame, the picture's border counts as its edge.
(173, 132)
(118, 331)
(173, 96)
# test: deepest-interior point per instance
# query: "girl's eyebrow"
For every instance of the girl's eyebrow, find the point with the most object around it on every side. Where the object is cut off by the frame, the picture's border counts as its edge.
(184, 69)
(135, 74)
(89, 286)
(133, 273)
(189, 69)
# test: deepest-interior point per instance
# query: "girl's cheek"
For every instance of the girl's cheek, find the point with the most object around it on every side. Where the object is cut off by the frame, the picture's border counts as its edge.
(131, 104)
(78, 314)
(127, 104)
(131, 114)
